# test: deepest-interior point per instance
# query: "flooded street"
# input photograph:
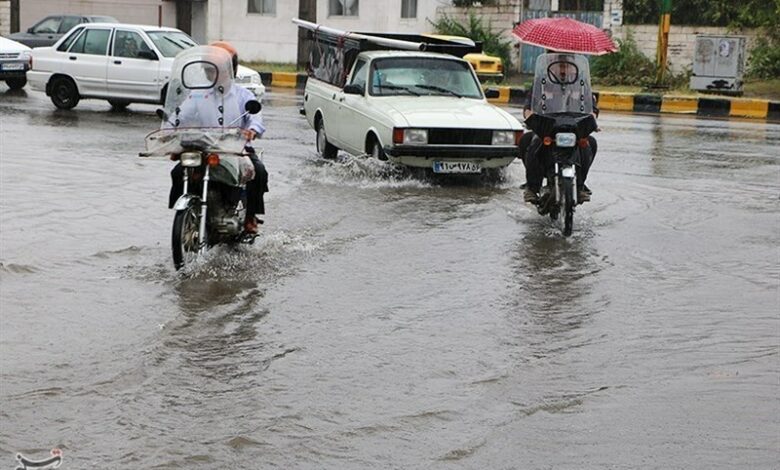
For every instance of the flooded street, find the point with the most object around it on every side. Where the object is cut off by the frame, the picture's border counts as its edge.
(385, 321)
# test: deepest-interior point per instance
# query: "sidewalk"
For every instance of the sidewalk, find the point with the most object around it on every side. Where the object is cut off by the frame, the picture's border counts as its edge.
(720, 106)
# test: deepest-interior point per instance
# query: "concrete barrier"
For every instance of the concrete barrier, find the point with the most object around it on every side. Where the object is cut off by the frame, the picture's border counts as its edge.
(611, 101)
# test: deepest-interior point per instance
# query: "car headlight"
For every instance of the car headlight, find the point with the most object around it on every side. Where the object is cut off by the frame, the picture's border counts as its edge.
(415, 136)
(190, 159)
(503, 138)
(565, 139)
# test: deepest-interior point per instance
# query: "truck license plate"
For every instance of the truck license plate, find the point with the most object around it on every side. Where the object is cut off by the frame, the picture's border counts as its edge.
(456, 167)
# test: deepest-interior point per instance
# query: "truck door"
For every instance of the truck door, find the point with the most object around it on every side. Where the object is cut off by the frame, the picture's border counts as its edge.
(351, 124)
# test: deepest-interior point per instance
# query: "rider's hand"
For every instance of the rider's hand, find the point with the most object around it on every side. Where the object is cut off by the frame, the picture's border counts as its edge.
(249, 134)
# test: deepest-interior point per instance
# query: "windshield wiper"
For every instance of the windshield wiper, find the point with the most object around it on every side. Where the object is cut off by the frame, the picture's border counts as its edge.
(175, 43)
(396, 87)
(440, 89)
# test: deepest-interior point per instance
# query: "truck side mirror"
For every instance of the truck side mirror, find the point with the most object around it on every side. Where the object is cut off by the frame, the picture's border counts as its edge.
(253, 107)
(492, 93)
(354, 89)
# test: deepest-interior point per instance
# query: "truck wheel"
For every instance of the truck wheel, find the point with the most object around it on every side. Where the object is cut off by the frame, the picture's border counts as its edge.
(377, 151)
(64, 94)
(324, 148)
(16, 83)
(118, 105)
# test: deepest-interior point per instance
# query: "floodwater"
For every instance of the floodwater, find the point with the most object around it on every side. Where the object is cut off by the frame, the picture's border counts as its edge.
(385, 321)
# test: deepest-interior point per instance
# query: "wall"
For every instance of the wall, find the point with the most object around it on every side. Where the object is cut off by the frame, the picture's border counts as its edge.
(5, 17)
(126, 11)
(274, 38)
(681, 41)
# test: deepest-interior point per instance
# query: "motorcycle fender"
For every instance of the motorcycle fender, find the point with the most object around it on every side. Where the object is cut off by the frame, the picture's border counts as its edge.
(184, 201)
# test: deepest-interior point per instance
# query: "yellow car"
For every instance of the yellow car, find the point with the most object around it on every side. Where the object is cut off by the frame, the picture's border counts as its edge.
(488, 67)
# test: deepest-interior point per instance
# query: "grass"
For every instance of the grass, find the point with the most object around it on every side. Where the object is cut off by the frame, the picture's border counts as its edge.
(272, 67)
(756, 89)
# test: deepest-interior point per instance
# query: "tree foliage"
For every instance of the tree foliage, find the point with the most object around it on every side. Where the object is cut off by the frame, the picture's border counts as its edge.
(736, 14)
(492, 42)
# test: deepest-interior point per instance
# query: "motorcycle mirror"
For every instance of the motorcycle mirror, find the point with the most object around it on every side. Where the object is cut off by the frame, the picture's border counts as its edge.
(492, 93)
(253, 106)
(161, 114)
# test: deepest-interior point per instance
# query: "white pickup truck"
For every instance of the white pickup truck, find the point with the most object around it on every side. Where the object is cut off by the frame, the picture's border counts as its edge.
(420, 109)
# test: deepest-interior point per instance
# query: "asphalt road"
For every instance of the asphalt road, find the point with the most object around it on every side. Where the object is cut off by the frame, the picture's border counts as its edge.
(387, 321)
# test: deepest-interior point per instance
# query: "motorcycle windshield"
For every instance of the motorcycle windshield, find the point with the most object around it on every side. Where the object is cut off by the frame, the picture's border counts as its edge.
(562, 85)
(177, 140)
(200, 91)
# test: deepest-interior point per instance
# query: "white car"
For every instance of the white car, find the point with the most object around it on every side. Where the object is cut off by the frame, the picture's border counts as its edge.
(419, 109)
(14, 63)
(120, 63)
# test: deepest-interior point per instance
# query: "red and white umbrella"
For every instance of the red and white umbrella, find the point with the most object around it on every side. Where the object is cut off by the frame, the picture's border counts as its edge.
(563, 34)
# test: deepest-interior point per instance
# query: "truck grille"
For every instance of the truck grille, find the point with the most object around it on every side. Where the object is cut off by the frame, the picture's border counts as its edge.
(9, 55)
(460, 136)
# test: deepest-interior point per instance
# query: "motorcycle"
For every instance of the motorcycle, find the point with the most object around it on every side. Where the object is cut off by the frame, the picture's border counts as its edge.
(216, 167)
(562, 121)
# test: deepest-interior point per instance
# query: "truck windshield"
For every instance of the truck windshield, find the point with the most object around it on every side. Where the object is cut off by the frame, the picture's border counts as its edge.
(423, 76)
(171, 43)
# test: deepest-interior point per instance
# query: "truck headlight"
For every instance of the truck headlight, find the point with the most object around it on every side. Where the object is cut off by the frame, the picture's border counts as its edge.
(503, 138)
(255, 78)
(565, 139)
(415, 136)
(190, 159)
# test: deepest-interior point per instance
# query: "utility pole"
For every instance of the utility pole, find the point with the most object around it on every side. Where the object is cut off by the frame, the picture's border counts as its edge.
(663, 40)
(307, 10)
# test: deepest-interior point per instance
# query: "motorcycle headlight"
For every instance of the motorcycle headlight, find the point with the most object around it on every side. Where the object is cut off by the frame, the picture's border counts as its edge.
(415, 136)
(565, 139)
(190, 159)
(503, 138)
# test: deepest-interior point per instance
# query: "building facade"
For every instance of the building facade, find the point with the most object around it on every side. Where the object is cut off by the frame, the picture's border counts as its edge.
(153, 12)
(5, 17)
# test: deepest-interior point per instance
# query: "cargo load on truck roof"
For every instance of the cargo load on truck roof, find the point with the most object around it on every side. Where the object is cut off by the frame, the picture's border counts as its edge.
(333, 51)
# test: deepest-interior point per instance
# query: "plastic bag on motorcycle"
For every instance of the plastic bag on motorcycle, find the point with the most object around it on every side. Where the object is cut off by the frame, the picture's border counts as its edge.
(562, 85)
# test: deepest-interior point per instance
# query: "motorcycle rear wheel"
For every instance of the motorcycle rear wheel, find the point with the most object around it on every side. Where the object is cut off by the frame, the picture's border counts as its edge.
(185, 242)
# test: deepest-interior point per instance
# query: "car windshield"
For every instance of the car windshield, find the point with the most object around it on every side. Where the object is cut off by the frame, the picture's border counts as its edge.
(423, 76)
(171, 43)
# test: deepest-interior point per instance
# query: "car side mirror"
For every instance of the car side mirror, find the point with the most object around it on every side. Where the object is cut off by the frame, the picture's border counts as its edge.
(149, 55)
(492, 93)
(354, 89)
(253, 106)
(30, 30)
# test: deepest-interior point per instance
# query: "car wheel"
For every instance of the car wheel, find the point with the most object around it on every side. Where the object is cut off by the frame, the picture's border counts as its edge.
(118, 105)
(64, 94)
(377, 151)
(324, 148)
(16, 83)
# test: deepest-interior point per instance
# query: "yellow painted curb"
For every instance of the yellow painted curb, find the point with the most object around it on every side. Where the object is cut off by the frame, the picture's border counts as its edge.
(503, 95)
(284, 79)
(616, 101)
(678, 104)
(749, 108)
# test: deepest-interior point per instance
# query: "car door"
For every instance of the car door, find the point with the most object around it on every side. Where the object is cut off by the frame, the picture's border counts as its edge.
(351, 124)
(44, 33)
(133, 67)
(87, 60)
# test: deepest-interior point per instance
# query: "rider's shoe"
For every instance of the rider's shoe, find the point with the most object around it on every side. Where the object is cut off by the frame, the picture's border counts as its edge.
(250, 225)
(583, 195)
(586, 189)
(529, 195)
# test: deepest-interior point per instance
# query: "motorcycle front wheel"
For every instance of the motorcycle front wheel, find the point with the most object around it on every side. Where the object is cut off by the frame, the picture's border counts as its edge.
(568, 206)
(185, 242)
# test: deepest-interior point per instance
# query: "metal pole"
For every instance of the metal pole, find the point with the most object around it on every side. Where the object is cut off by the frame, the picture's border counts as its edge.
(15, 14)
(663, 40)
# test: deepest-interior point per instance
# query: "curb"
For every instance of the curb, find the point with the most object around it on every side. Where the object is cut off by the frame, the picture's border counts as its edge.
(723, 107)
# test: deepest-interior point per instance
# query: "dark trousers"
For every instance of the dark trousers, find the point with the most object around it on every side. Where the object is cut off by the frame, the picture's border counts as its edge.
(537, 159)
(255, 189)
